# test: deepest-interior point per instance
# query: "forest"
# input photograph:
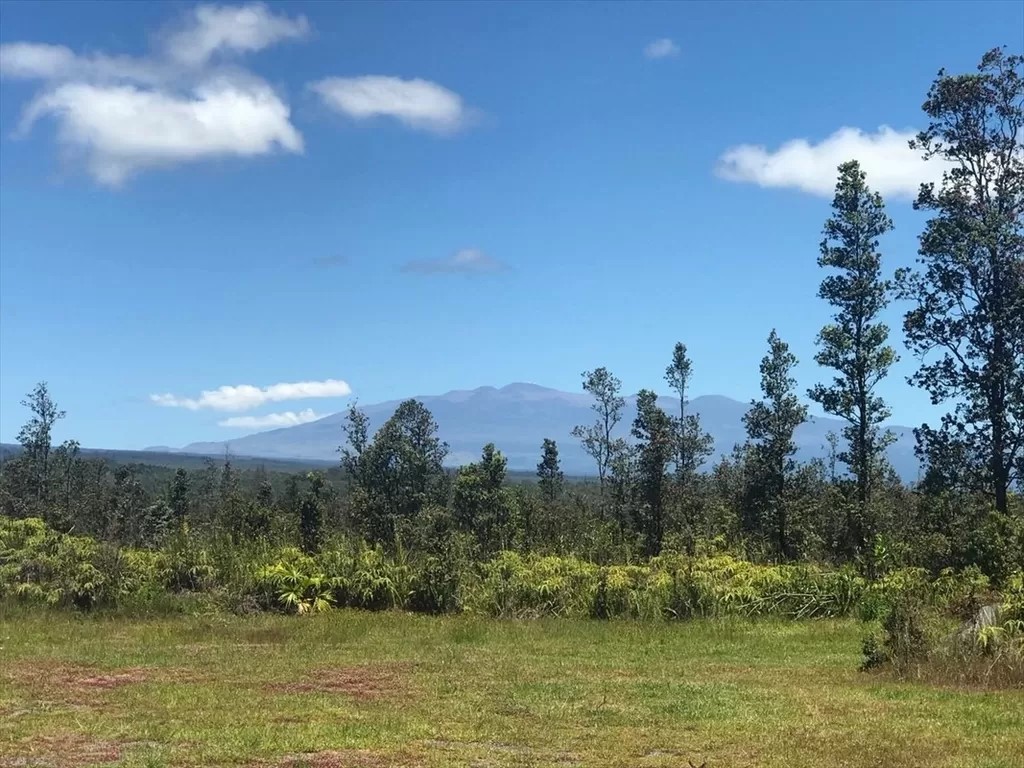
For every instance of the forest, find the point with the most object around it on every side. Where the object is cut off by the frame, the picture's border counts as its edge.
(663, 530)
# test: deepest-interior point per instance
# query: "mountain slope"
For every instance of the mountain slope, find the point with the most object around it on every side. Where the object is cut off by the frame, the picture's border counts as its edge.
(517, 418)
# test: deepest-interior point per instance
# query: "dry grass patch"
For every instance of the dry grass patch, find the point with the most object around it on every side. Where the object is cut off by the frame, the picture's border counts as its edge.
(344, 758)
(367, 682)
(62, 750)
(70, 683)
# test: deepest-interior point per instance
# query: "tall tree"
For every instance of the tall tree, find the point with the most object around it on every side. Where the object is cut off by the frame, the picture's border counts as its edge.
(479, 504)
(549, 472)
(677, 374)
(597, 438)
(37, 439)
(968, 294)
(311, 515)
(656, 447)
(399, 472)
(770, 425)
(178, 495)
(855, 344)
(693, 444)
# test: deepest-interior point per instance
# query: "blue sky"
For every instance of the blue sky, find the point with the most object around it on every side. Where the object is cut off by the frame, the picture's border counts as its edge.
(407, 198)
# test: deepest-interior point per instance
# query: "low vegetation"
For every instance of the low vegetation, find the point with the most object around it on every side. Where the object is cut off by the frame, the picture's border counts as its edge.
(354, 688)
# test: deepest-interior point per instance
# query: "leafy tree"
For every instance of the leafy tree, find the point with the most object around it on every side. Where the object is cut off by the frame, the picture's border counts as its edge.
(549, 472)
(264, 488)
(155, 523)
(855, 344)
(37, 439)
(311, 515)
(967, 320)
(292, 495)
(357, 432)
(656, 447)
(770, 425)
(399, 472)
(597, 438)
(66, 463)
(480, 506)
(125, 517)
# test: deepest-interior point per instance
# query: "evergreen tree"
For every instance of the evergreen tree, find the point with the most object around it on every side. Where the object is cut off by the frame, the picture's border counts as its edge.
(549, 472)
(770, 425)
(656, 447)
(311, 515)
(855, 344)
(178, 495)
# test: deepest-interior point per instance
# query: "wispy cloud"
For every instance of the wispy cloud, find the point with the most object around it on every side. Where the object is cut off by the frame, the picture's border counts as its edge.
(468, 261)
(244, 397)
(329, 262)
(284, 419)
(418, 104)
(892, 168)
(664, 48)
(123, 114)
(212, 29)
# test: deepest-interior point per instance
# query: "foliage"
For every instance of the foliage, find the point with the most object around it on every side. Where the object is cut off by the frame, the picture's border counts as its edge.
(855, 344)
(967, 319)
(770, 425)
(597, 438)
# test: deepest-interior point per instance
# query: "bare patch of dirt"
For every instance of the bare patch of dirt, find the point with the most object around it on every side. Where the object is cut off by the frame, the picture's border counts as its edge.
(367, 682)
(71, 683)
(344, 758)
(62, 750)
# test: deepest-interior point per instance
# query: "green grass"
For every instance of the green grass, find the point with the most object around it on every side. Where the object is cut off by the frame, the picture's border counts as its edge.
(365, 689)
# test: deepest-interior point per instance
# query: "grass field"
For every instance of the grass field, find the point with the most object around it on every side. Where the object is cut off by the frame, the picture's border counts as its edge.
(362, 689)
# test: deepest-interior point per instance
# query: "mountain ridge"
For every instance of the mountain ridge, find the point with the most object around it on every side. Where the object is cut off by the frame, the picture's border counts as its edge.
(518, 416)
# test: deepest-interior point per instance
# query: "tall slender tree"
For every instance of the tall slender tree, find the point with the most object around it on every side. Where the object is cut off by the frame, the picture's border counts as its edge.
(656, 447)
(597, 438)
(855, 344)
(36, 437)
(178, 495)
(692, 444)
(311, 515)
(770, 425)
(967, 320)
(549, 471)
(677, 374)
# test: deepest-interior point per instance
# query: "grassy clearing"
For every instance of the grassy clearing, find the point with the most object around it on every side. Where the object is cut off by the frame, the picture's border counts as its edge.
(353, 688)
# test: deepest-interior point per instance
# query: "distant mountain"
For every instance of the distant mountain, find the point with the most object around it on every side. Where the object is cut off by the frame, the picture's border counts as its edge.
(517, 418)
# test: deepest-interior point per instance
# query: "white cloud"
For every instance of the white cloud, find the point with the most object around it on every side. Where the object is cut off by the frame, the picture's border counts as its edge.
(241, 28)
(468, 261)
(661, 49)
(285, 419)
(41, 61)
(245, 396)
(892, 168)
(123, 114)
(417, 103)
(30, 61)
(122, 129)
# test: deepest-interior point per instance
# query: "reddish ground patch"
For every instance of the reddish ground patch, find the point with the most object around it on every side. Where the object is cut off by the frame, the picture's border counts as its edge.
(62, 750)
(70, 683)
(366, 682)
(344, 758)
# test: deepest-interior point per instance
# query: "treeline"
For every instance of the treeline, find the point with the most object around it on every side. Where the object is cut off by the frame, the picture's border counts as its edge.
(965, 324)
